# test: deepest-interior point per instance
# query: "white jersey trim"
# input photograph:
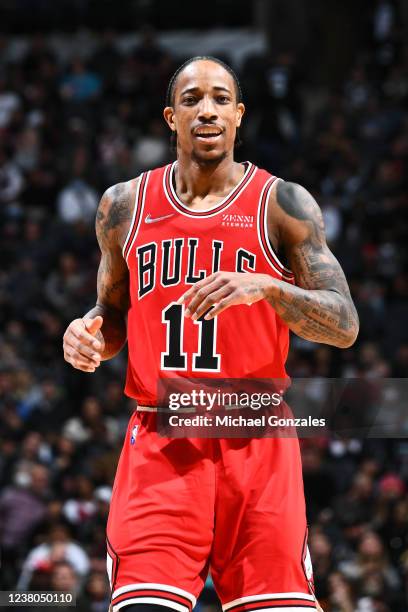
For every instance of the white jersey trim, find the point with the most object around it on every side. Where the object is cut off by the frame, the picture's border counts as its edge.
(262, 223)
(133, 215)
(267, 596)
(284, 609)
(142, 203)
(213, 210)
(151, 600)
(265, 221)
(166, 588)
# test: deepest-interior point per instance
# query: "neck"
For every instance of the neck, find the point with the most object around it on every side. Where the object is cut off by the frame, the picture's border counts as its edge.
(198, 179)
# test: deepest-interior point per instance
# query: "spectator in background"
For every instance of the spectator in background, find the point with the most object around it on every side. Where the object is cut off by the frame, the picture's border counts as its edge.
(148, 54)
(152, 149)
(321, 551)
(11, 182)
(91, 423)
(342, 597)
(77, 202)
(106, 61)
(10, 101)
(96, 594)
(371, 569)
(65, 287)
(33, 450)
(82, 507)
(22, 508)
(80, 84)
(59, 548)
(64, 577)
(356, 505)
(318, 481)
(27, 150)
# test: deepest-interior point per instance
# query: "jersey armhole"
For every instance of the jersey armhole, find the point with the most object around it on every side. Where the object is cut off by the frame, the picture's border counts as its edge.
(137, 215)
(267, 248)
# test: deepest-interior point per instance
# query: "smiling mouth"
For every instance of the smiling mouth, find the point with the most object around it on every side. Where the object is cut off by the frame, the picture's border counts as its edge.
(207, 133)
(209, 139)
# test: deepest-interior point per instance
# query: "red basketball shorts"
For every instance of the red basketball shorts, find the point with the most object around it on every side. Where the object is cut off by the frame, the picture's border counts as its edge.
(181, 507)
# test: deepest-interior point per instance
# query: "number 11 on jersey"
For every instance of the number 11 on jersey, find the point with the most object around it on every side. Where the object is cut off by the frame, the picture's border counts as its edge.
(175, 358)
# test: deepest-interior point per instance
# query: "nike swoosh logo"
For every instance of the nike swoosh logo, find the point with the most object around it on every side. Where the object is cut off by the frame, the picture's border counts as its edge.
(149, 219)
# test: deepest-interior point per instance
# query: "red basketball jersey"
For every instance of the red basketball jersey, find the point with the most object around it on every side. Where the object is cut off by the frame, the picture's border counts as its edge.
(168, 248)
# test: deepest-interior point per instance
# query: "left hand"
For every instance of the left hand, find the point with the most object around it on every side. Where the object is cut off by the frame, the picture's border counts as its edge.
(222, 290)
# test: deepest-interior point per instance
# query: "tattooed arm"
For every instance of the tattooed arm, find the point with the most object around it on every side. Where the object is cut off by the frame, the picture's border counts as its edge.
(320, 307)
(101, 333)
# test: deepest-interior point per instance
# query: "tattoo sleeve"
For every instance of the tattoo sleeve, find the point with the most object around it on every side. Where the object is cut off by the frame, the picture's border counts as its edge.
(319, 308)
(112, 222)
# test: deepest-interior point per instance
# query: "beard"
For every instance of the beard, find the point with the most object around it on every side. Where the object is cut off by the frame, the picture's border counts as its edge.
(206, 162)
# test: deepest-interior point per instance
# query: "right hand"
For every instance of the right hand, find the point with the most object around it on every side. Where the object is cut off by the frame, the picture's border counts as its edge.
(82, 349)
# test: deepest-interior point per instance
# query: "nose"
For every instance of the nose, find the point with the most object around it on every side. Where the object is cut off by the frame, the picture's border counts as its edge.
(207, 109)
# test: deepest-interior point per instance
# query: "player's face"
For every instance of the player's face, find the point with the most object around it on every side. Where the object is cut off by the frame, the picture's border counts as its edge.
(205, 113)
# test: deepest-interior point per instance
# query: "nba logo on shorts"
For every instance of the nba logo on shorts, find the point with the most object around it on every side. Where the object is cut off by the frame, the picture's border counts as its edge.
(134, 434)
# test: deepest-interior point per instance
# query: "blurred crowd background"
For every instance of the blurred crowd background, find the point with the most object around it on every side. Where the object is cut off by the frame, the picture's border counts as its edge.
(81, 110)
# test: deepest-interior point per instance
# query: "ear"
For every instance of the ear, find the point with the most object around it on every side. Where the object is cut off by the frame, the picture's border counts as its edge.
(168, 115)
(240, 112)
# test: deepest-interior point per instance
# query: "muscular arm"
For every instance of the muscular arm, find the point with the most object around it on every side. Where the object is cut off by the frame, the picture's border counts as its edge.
(101, 333)
(320, 307)
(112, 220)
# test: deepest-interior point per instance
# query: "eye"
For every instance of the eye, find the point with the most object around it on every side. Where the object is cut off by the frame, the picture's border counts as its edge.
(223, 99)
(189, 100)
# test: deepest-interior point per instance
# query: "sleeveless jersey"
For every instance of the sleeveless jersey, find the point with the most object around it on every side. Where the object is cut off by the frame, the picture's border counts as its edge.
(168, 248)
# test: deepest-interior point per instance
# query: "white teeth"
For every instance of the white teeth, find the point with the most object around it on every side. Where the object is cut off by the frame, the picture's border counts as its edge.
(208, 133)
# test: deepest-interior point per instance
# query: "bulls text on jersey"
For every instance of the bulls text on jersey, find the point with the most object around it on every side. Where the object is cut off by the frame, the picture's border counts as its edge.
(173, 252)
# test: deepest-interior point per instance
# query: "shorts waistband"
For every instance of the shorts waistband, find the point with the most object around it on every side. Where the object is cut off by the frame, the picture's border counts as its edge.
(148, 408)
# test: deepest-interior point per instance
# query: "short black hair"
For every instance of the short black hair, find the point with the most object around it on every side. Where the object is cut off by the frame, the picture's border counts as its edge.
(173, 81)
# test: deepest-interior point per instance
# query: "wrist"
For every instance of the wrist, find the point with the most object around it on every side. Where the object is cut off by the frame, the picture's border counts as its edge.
(269, 287)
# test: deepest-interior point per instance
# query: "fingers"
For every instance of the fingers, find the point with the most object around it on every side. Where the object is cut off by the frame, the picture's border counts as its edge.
(78, 350)
(216, 292)
(81, 349)
(188, 295)
(79, 330)
(84, 349)
(79, 362)
(198, 294)
(222, 305)
(93, 325)
(81, 356)
(234, 296)
(213, 298)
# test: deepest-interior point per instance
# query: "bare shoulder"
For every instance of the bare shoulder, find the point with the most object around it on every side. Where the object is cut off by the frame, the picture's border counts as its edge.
(294, 215)
(115, 212)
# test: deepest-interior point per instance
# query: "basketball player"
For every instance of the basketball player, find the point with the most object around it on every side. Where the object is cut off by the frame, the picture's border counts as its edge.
(185, 249)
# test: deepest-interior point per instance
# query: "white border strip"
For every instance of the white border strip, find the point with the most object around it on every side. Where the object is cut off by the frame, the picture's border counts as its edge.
(258, 227)
(265, 222)
(133, 215)
(286, 609)
(154, 600)
(141, 586)
(253, 598)
(268, 186)
(141, 215)
(185, 212)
